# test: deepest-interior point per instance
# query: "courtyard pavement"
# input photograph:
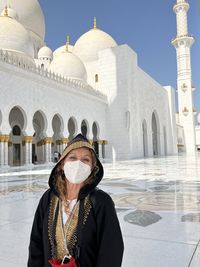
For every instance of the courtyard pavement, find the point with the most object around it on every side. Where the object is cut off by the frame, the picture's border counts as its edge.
(157, 202)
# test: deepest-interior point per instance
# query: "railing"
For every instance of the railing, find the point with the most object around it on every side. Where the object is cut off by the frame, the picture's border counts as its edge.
(22, 62)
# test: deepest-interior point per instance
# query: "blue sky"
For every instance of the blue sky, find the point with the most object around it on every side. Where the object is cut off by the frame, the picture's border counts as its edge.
(146, 26)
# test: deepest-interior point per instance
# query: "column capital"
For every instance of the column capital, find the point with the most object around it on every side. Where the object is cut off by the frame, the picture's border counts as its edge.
(4, 138)
(28, 139)
(48, 140)
(104, 142)
(44, 141)
(64, 141)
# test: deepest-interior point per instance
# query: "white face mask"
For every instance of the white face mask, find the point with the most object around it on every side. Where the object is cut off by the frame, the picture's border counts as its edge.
(76, 172)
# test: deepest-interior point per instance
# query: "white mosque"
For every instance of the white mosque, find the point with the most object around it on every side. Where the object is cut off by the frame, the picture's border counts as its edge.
(95, 87)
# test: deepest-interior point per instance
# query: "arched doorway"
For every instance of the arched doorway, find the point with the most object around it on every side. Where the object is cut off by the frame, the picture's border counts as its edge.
(57, 125)
(72, 128)
(39, 125)
(84, 128)
(95, 132)
(145, 139)
(155, 134)
(17, 119)
(165, 140)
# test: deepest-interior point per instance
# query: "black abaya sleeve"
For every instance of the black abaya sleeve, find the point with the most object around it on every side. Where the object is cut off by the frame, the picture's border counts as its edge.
(109, 236)
(36, 249)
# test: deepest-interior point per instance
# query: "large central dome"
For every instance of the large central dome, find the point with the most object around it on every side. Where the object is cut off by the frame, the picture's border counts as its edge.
(29, 13)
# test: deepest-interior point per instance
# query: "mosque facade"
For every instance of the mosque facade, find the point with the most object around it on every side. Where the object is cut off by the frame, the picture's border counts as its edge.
(95, 87)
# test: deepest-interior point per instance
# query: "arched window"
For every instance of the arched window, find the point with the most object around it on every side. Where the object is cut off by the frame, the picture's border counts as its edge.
(96, 78)
(16, 130)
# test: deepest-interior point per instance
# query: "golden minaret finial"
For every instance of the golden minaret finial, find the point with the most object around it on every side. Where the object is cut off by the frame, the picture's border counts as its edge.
(95, 23)
(5, 11)
(67, 44)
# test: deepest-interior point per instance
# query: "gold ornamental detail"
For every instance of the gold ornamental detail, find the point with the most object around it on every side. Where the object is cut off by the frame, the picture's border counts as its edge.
(48, 140)
(4, 138)
(28, 139)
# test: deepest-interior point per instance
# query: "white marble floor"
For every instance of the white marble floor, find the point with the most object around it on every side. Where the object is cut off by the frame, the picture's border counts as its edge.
(157, 201)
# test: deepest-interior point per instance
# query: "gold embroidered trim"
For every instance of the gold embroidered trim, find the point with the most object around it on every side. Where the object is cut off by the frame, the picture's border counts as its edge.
(52, 209)
(74, 146)
(64, 233)
(55, 229)
(87, 208)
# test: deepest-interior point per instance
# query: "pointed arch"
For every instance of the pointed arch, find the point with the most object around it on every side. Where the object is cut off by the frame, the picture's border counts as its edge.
(155, 134)
(145, 138)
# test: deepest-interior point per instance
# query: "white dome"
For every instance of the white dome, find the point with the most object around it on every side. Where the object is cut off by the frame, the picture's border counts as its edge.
(45, 52)
(14, 37)
(62, 49)
(68, 65)
(30, 14)
(90, 43)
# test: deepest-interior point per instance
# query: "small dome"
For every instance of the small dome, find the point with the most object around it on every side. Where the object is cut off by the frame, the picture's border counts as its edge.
(68, 65)
(45, 52)
(61, 49)
(90, 43)
(14, 37)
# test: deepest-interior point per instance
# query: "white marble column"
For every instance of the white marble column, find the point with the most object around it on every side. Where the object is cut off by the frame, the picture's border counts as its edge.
(64, 142)
(7, 137)
(59, 146)
(104, 146)
(27, 142)
(47, 149)
(100, 142)
(2, 150)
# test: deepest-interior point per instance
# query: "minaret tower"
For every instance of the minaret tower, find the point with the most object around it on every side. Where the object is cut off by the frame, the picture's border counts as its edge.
(183, 43)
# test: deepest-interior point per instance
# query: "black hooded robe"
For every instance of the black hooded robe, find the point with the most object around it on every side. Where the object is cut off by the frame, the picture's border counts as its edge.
(101, 241)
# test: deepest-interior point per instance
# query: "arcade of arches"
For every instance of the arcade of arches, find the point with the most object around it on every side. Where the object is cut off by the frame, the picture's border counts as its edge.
(18, 148)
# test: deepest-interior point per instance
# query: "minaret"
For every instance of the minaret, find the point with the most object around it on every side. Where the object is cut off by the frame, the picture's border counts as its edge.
(183, 43)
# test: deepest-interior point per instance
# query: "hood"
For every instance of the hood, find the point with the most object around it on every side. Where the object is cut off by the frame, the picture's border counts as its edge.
(78, 142)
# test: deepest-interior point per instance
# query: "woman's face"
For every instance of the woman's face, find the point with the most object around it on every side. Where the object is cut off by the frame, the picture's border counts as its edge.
(83, 154)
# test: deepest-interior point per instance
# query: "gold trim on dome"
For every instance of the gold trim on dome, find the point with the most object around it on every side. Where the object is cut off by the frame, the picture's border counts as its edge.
(67, 44)
(95, 23)
(5, 11)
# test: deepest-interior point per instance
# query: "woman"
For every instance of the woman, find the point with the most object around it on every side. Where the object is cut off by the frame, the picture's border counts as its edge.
(73, 217)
